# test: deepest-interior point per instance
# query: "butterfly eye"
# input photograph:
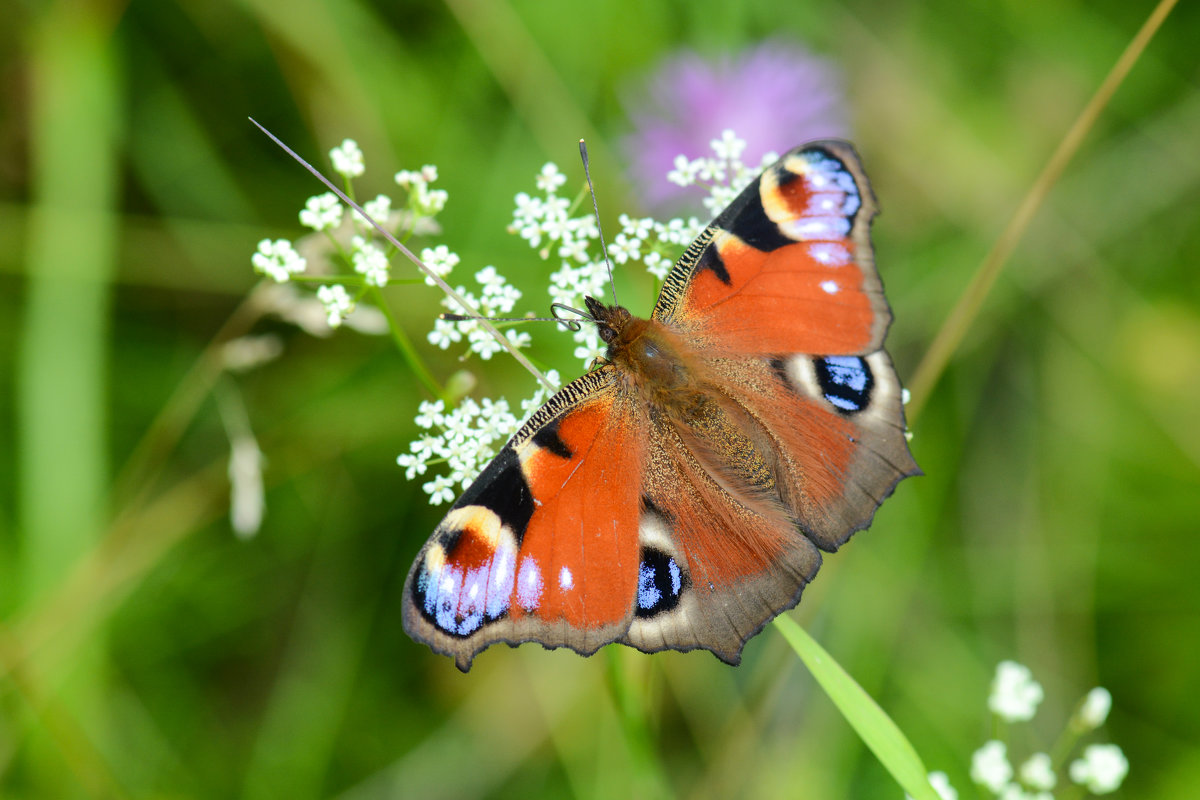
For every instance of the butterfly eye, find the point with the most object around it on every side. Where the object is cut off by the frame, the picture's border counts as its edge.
(607, 334)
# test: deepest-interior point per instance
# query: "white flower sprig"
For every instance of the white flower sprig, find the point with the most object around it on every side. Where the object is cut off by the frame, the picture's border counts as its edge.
(725, 174)
(354, 262)
(1014, 697)
(464, 438)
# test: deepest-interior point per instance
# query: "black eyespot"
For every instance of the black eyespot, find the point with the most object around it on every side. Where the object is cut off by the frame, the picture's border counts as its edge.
(661, 582)
(846, 382)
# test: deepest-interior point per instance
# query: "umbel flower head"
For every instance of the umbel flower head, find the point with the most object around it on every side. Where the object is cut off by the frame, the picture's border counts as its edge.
(774, 95)
(1014, 698)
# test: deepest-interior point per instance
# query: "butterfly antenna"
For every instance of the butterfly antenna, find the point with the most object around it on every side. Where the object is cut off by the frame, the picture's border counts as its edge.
(570, 324)
(612, 285)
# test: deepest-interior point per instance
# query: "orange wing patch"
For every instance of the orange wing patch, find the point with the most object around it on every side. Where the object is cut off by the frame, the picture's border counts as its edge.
(578, 561)
(784, 301)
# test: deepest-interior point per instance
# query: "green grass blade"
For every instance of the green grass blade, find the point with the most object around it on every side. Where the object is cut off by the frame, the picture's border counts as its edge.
(873, 726)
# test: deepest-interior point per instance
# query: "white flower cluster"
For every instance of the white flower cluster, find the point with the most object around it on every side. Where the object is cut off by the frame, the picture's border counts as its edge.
(725, 175)
(347, 160)
(1015, 694)
(497, 298)
(465, 438)
(1014, 697)
(278, 260)
(554, 226)
(365, 263)
(421, 198)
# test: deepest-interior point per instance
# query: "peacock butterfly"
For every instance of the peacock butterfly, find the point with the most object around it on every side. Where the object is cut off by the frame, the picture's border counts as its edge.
(679, 494)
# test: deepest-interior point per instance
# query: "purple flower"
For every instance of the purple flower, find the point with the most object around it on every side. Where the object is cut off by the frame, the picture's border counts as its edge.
(775, 96)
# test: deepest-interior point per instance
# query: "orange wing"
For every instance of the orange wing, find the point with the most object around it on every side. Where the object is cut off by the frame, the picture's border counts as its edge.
(788, 266)
(544, 544)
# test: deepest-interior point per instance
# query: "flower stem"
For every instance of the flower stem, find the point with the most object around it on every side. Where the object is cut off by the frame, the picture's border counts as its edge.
(954, 329)
(405, 346)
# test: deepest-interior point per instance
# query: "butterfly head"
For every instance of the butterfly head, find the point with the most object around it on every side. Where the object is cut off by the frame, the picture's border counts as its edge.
(610, 320)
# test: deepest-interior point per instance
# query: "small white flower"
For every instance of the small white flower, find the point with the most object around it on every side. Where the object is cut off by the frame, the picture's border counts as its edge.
(1015, 694)
(1102, 768)
(347, 159)
(573, 249)
(277, 260)
(518, 339)
(444, 334)
(430, 413)
(990, 767)
(440, 259)
(423, 200)
(1094, 710)
(246, 497)
(550, 179)
(1038, 773)
(729, 146)
(483, 344)
(414, 464)
(556, 207)
(432, 201)
(337, 302)
(684, 173)
(625, 248)
(323, 212)
(369, 261)
(378, 209)
(528, 208)
(941, 784)
(656, 265)
(531, 233)
(440, 489)
(488, 276)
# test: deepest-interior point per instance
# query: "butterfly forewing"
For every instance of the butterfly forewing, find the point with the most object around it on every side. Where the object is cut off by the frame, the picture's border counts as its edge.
(543, 545)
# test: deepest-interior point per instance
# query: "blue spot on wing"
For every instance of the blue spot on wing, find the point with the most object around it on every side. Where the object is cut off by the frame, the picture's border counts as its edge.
(845, 381)
(660, 583)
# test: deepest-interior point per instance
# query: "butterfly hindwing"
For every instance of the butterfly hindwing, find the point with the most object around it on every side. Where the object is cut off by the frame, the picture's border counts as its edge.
(826, 430)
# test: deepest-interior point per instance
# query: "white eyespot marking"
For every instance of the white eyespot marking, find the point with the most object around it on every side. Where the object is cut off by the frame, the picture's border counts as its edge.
(830, 287)
(831, 254)
(460, 596)
(500, 582)
(565, 579)
(529, 584)
(823, 227)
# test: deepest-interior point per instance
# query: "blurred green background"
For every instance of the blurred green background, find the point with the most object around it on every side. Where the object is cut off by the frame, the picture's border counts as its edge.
(147, 651)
